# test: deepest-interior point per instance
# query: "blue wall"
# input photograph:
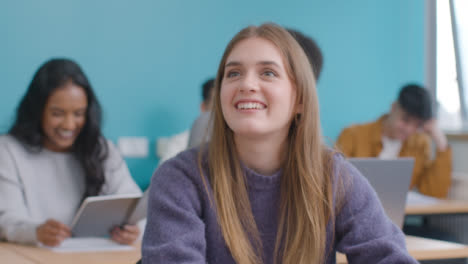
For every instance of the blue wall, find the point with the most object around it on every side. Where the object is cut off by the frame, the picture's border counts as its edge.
(147, 59)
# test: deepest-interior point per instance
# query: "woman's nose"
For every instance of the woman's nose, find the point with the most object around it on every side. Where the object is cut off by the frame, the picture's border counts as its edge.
(249, 83)
(69, 123)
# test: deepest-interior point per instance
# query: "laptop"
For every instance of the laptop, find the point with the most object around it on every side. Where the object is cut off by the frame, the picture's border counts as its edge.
(391, 179)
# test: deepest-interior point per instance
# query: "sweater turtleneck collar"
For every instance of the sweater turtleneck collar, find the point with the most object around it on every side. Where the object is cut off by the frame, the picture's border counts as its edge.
(259, 181)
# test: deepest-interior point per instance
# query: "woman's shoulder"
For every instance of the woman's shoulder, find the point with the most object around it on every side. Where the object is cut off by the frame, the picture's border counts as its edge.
(350, 187)
(110, 151)
(112, 158)
(110, 146)
(336, 162)
(9, 143)
(340, 164)
(9, 140)
(13, 154)
(185, 160)
(184, 166)
(347, 180)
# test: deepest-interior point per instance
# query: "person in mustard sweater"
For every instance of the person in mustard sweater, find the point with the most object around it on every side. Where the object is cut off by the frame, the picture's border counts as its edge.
(406, 131)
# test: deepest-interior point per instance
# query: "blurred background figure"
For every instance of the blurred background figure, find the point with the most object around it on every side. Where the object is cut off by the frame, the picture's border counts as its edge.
(201, 127)
(407, 130)
(168, 147)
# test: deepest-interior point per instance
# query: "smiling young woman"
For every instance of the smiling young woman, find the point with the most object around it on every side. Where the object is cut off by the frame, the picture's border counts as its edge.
(55, 156)
(265, 188)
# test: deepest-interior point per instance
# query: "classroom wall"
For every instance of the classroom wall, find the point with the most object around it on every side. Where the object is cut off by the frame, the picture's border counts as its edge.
(147, 59)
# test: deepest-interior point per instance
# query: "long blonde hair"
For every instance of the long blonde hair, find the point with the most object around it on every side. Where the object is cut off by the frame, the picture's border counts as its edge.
(306, 193)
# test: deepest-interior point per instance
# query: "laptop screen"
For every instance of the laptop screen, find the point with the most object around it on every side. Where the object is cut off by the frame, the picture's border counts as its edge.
(391, 180)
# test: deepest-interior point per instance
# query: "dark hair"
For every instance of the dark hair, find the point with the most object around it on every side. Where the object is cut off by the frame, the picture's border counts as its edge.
(416, 101)
(311, 49)
(207, 86)
(90, 147)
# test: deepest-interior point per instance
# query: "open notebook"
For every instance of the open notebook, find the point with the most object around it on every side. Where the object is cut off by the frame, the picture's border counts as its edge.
(89, 244)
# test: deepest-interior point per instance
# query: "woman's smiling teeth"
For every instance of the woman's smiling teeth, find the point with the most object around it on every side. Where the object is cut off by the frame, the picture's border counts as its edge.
(66, 134)
(250, 105)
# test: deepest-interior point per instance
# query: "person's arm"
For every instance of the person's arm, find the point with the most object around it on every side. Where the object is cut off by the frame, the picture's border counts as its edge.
(433, 177)
(433, 130)
(363, 231)
(15, 223)
(126, 234)
(175, 230)
(52, 233)
(346, 141)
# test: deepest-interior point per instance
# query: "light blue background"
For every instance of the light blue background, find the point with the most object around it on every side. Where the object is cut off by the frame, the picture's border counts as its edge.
(147, 59)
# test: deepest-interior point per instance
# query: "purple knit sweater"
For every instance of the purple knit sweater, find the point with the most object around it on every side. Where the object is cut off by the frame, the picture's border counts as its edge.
(182, 227)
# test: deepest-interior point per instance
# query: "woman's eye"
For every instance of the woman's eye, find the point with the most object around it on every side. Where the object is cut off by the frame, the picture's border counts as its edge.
(269, 73)
(232, 74)
(56, 114)
(79, 114)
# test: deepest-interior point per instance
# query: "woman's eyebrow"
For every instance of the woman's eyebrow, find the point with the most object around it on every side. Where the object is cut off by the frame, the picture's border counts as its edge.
(268, 63)
(56, 108)
(236, 63)
(232, 63)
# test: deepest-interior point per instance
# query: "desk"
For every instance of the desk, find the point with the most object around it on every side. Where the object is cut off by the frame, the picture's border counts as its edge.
(427, 249)
(37, 255)
(419, 248)
(439, 207)
(9, 256)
